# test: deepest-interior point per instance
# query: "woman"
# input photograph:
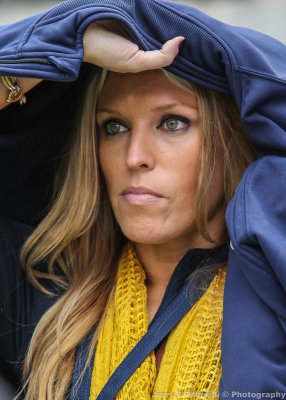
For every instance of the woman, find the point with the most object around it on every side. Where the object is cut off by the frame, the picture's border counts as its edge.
(150, 129)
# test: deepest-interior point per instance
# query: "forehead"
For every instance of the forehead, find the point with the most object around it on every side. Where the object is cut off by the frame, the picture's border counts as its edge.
(149, 86)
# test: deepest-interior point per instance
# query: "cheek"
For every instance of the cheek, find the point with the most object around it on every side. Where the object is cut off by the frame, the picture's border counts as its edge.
(108, 160)
(186, 174)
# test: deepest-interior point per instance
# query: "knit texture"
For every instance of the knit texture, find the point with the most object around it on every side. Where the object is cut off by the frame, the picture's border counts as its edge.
(190, 366)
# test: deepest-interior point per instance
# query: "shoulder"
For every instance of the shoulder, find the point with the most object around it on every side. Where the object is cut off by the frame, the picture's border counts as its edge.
(13, 234)
(21, 304)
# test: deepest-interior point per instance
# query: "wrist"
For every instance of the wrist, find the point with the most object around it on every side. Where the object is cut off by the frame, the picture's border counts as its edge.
(4, 92)
(25, 84)
(15, 92)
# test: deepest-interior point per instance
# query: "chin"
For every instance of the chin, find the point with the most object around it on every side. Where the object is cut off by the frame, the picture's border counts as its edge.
(145, 237)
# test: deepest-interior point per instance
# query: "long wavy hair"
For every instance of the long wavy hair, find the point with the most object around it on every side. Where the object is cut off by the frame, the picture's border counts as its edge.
(79, 241)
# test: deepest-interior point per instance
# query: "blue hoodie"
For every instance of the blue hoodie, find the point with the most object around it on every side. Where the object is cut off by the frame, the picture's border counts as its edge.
(240, 62)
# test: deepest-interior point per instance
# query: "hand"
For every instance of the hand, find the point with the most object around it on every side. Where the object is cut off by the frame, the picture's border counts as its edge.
(107, 45)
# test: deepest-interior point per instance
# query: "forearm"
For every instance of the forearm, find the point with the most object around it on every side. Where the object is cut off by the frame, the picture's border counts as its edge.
(25, 84)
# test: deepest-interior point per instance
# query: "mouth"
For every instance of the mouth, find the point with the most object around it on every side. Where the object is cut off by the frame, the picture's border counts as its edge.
(140, 195)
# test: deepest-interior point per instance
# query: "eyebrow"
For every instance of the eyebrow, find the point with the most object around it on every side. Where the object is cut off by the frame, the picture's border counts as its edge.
(172, 105)
(108, 111)
(161, 108)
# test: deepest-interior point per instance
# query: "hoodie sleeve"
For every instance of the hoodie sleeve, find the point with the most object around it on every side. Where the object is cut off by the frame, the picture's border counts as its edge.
(254, 319)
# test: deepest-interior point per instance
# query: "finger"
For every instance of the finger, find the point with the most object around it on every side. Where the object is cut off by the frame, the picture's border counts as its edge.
(145, 60)
(171, 48)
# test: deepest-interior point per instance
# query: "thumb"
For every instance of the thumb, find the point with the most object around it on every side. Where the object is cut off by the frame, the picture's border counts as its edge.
(145, 60)
(171, 48)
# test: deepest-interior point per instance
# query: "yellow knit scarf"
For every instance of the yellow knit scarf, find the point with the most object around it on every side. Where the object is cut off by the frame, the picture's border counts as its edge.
(190, 366)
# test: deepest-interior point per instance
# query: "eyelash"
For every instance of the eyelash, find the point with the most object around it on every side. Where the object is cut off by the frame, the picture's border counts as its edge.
(105, 124)
(174, 118)
(116, 121)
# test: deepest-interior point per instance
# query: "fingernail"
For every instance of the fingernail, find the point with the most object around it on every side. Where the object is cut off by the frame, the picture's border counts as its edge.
(181, 44)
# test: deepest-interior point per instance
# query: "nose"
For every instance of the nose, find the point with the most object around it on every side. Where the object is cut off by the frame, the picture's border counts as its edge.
(140, 153)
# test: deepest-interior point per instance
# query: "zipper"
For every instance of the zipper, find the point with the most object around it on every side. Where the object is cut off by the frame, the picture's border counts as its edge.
(27, 61)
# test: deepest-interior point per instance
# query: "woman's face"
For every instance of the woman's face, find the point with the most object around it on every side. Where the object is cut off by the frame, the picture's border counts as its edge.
(149, 151)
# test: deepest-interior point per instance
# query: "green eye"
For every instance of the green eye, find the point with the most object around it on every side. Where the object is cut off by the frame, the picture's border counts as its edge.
(175, 124)
(172, 124)
(114, 127)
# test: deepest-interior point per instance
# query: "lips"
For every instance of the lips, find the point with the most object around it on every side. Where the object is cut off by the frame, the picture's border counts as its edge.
(140, 190)
(140, 195)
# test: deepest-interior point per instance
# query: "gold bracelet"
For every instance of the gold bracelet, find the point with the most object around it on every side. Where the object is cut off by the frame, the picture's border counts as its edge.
(16, 93)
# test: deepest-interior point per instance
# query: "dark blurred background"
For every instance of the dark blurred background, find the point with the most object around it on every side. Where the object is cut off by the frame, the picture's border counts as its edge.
(268, 16)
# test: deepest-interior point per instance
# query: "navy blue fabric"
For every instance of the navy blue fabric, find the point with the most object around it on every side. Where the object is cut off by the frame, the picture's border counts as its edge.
(233, 60)
(258, 347)
(254, 327)
(21, 305)
(193, 259)
(80, 389)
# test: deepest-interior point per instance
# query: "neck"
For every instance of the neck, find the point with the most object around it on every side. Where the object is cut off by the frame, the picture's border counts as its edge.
(160, 260)
(159, 263)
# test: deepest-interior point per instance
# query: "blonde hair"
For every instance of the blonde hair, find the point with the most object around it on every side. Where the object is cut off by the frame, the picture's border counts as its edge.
(80, 241)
